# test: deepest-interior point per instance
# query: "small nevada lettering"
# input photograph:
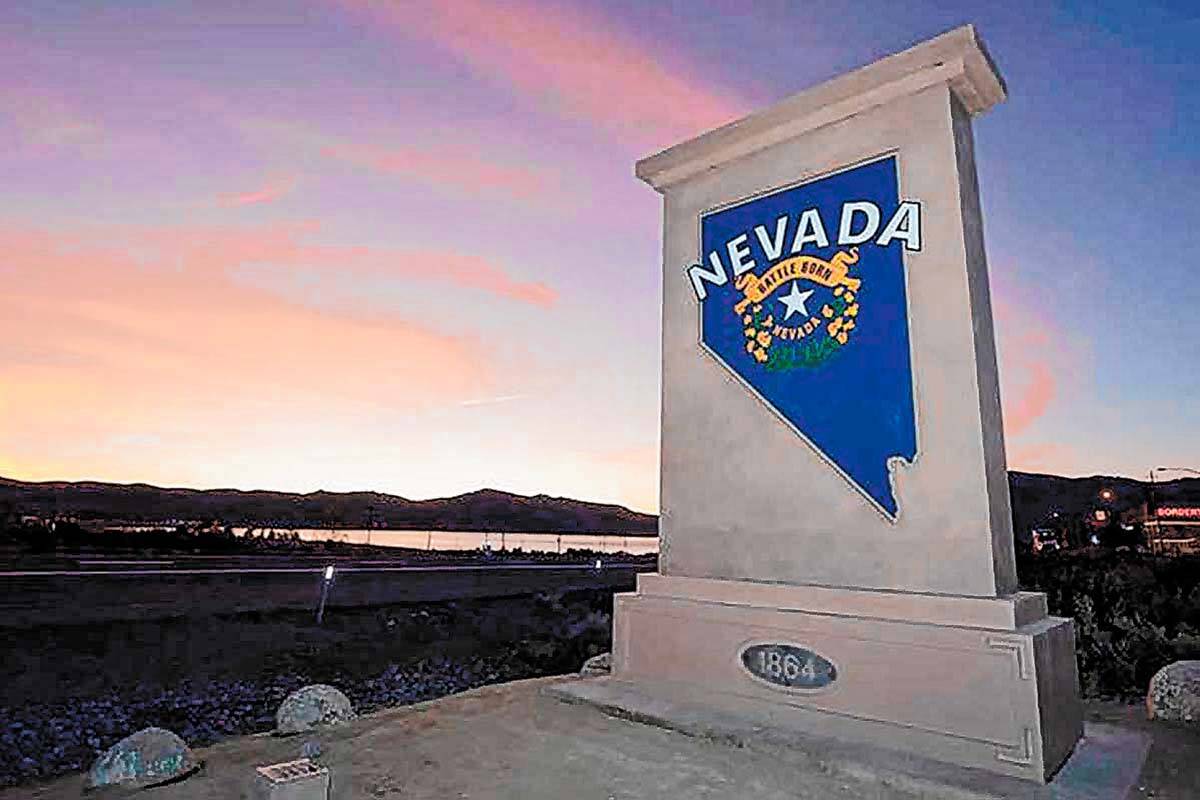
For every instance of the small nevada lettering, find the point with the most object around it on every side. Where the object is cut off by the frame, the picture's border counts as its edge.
(859, 223)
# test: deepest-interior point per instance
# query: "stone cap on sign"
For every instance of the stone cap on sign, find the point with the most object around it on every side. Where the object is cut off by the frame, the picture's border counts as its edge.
(957, 58)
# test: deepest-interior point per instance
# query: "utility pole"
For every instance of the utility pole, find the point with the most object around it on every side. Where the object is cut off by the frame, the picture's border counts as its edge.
(1153, 509)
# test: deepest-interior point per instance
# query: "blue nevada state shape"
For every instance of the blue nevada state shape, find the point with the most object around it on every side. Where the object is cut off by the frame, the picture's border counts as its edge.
(812, 315)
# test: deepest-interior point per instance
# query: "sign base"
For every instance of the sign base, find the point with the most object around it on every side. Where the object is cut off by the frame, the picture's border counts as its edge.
(988, 683)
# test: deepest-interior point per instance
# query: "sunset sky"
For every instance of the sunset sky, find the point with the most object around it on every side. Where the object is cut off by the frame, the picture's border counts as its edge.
(298, 245)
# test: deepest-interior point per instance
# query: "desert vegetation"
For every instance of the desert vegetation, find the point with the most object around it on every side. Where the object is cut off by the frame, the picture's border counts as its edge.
(1134, 612)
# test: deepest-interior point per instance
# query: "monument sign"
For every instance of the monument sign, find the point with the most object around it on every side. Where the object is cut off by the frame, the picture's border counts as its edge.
(836, 537)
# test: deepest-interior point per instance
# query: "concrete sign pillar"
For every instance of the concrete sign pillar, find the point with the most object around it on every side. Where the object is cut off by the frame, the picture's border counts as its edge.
(836, 536)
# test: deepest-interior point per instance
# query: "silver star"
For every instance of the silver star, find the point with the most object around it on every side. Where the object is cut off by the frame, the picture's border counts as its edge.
(795, 300)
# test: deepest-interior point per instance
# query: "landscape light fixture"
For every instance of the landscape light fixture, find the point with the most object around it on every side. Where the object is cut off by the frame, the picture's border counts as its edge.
(324, 593)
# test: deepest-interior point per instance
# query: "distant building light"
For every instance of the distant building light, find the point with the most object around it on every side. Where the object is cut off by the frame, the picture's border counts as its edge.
(1178, 512)
(329, 572)
(1100, 514)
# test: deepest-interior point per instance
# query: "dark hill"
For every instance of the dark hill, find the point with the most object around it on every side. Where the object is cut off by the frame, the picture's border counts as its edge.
(486, 509)
(1034, 497)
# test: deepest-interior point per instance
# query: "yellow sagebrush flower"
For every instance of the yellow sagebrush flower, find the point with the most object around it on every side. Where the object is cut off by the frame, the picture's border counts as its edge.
(835, 327)
(842, 337)
(749, 347)
(827, 311)
(746, 320)
(852, 310)
(849, 296)
(838, 291)
(764, 338)
(751, 333)
(760, 355)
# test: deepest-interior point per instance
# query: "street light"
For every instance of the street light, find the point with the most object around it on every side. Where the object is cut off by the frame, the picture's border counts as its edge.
(1107, 495)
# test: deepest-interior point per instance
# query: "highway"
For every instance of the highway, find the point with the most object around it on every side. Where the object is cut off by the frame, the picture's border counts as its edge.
(103, 590)
(340, 570)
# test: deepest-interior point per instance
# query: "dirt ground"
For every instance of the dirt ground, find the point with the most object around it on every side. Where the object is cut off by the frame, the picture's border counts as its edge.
(511, 741)
(57, 662)
(67, 693)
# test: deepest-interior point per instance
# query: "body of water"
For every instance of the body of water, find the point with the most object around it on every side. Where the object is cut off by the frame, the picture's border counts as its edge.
(474, 540)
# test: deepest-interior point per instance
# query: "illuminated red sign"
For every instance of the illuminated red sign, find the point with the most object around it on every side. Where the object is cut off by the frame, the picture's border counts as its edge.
(1179, 512)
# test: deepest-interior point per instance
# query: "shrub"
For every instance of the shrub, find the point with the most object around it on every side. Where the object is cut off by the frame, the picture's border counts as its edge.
(1134, 613)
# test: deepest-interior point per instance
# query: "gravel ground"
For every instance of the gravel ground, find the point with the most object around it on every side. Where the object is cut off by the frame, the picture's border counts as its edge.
(72, 693)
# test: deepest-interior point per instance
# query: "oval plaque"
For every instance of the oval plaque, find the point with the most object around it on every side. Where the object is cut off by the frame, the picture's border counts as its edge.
(788, 666)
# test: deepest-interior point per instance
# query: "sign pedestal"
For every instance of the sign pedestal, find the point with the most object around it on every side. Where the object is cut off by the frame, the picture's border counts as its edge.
(987, 683)
(836, 547)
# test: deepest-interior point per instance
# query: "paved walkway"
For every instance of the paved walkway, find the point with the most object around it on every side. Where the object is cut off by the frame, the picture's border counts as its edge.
(513, 741)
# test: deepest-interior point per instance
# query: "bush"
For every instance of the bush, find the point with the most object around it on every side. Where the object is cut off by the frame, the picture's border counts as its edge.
(1134, 613)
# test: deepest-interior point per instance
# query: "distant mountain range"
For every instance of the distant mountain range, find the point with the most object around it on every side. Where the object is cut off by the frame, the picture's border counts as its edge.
(1034, 497)
(484, 510)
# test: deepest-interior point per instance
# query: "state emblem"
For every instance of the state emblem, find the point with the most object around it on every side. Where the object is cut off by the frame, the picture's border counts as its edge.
(803, 297)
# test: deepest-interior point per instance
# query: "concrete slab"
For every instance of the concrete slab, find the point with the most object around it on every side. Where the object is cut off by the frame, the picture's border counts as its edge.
(518, 741)
(1105, 764)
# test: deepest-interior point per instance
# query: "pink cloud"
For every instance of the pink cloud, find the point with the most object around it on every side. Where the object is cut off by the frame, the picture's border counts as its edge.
(272, 190)
(639, 456)
(480, 274)
(575, 64)
(115, 335)
(150, 326)
(290, 245)
(457, 167)
(1039, 358)
(112, 344)
(1034, 397)
(1043, 457)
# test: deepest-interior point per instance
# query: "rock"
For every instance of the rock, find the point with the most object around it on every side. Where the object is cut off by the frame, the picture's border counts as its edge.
(311, 707)
(597, 665)
(147, 758)
(1175, 693)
